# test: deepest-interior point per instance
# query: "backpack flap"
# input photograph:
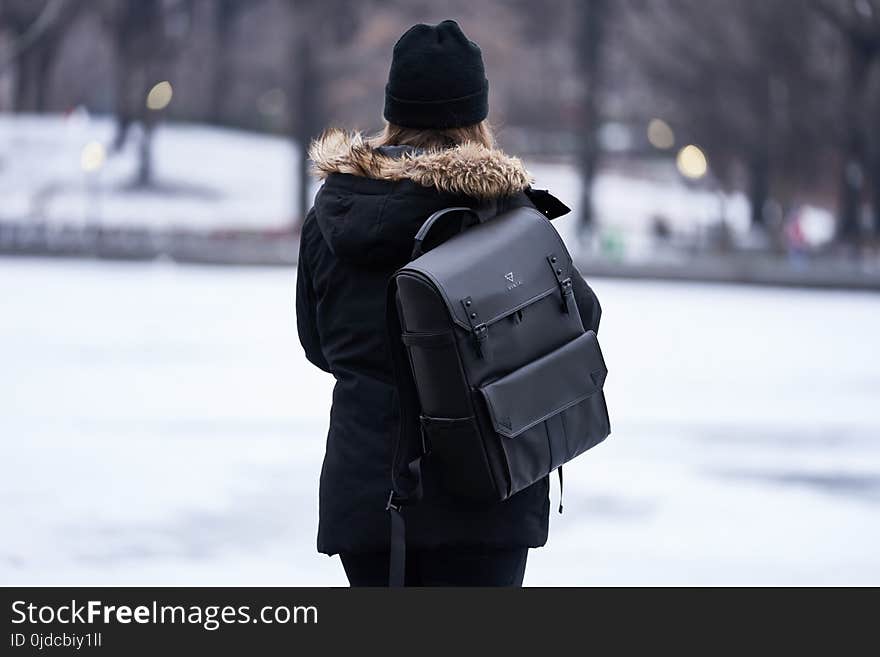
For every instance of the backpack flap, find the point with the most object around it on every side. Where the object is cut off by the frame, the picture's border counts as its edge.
(498, 266)
(546, 387)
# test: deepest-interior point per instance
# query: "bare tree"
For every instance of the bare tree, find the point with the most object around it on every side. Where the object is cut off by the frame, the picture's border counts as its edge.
(146, 35)
(592, 21)
(226, 14)
(316, 28)
(737, 78)
(858, 23)
(37, 27)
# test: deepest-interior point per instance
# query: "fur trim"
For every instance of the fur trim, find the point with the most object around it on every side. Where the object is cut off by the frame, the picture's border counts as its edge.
(470, 169)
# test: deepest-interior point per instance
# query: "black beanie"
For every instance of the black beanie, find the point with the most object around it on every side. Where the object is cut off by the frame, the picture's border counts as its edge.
(437, 79)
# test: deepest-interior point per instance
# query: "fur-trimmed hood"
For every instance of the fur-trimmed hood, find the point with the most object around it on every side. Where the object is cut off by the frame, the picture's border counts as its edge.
(469, 169)
(373, 200)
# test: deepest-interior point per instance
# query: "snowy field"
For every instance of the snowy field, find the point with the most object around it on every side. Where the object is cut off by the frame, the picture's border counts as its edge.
(209, 178)
(159, 425)
(206, 178)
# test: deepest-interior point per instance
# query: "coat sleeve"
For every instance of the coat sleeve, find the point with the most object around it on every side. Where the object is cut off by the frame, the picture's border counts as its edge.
(587, 302)
(306, 324)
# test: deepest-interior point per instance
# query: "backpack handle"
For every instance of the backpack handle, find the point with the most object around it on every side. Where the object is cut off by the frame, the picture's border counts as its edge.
(469, 217)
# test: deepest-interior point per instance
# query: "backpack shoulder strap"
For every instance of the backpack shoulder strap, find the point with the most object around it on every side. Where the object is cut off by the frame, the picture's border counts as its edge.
(407, 451)
(408, 445)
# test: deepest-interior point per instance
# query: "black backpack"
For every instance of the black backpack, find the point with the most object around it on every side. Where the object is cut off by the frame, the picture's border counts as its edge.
(496, 377)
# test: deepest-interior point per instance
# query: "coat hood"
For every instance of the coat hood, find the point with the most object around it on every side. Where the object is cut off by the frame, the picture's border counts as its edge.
(374, 199)
(470, 169)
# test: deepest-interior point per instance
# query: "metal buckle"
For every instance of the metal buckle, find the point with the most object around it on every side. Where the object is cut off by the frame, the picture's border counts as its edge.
(567, 294)
(478, 328)
(564, 282)
(391, 506)
(481, 335)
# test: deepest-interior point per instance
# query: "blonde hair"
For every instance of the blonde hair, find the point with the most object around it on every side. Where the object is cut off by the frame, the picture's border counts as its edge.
(434, 139)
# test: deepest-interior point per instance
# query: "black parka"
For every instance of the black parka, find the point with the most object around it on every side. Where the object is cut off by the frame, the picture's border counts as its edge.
(359, 231)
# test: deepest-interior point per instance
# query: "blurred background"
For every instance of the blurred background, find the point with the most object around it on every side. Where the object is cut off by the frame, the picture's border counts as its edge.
(158, 422)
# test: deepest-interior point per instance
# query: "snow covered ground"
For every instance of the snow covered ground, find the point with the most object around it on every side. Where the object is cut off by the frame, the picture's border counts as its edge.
(159, 425)
(206, 177)
(210, 177)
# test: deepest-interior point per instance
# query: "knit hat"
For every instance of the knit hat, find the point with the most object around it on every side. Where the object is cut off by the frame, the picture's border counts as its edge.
(437, 79)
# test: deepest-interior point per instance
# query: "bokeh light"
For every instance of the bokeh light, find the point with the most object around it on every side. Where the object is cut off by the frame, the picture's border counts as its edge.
(691, 162)
(660, 134)
(92, 156)
(160, 95)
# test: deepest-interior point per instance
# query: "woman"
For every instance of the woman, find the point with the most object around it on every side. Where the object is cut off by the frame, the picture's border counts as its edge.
(436, 151)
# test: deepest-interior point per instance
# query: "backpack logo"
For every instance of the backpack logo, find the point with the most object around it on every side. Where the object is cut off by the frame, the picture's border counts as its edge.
(509, 276)
(512, 280)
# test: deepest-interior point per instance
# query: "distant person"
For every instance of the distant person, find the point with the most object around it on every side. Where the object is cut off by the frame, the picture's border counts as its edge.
(436, 151)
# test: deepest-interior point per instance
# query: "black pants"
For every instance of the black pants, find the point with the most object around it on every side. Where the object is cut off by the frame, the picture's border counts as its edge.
(441, 567)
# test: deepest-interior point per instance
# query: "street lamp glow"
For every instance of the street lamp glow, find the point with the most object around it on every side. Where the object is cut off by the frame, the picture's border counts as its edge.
(691, 162)
(92, 156)
(160, 95)
(660, 134)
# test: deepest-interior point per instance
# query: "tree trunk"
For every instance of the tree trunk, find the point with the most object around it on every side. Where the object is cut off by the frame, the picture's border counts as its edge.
(848, 226)
(305, 100)
(853, 166)
(759, 189)
(33, 70)
(223, 24)
(588, 160)
(592, 15)
(123, 70)
(873, 130)
(145, 156)
(140, 54)
(124, 110)
(25, 81)
(875, 187)
(45, 58)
